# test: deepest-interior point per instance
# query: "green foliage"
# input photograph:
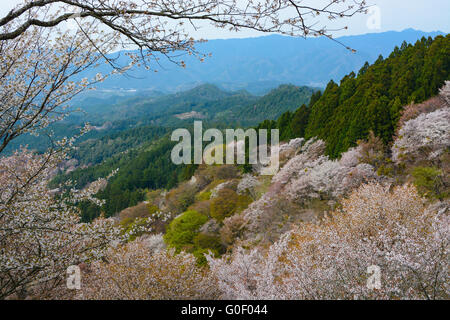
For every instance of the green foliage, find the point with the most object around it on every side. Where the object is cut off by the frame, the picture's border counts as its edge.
(204, 244)
(371, 100)
(243, 202)
(94, 151)
(180, 198)
(224, 205)
(214, 183)
(429, 181)
(284, 121)
(200, 255)
(129, 224)
(126, 223)
(205, 241)
(203, 196)
(271, 106)
(89, 211)
(183, 229)
(150, 168)
(83, 176)
(227, 203)
(152, 208)
(385, 170)
(183, 234)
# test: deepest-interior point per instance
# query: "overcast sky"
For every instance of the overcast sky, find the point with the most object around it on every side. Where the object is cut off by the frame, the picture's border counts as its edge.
(425, 15)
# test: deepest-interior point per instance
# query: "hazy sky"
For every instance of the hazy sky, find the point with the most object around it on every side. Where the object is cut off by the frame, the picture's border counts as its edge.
(425, 15)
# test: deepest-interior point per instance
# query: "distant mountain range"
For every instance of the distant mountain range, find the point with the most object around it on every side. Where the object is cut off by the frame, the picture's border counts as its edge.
(206, 101)
(260, 64)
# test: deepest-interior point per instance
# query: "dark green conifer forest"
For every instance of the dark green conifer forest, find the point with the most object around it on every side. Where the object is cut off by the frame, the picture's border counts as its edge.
(372, 99)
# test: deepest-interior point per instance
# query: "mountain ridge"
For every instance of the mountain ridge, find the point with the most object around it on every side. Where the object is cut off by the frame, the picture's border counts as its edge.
(258, 65)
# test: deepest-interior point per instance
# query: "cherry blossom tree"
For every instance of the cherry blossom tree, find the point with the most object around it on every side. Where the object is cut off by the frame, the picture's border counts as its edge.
(320, 177)
(37, 78)
(144, 23)
(247, 185)
(307, 176)
(137, 271)
(396, 231)
(426, 134)
(41, 66)
(40, 235)
(424, 137)
(41, 58)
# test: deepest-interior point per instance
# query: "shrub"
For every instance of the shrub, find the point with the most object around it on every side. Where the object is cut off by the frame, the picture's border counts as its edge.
(142, 210)
(200, 255)
(221, 172)
(182, 230)
(224, 205)
(180, 198)
(135, 228)
(202, 207)
(203, 196)
(233, 228)
(203, 244)
(152, 209)
(206, 241)
(423, 138)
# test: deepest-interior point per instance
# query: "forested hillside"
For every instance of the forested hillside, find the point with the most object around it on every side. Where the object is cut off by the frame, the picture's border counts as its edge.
(124, 123)
(209, 103)
(305, 232)
(402, 140)
(98, 203)
(143, 153)
(372, 100)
